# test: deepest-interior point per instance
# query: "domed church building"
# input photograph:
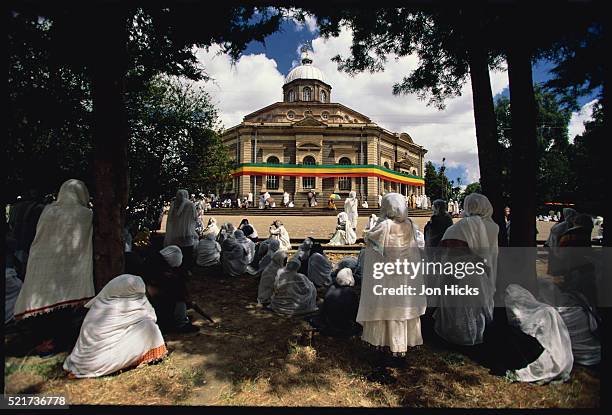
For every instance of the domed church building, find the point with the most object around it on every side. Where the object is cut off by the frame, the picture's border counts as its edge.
(307, 143)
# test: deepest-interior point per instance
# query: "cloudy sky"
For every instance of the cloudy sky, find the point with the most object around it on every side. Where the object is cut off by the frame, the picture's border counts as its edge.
(256, 80)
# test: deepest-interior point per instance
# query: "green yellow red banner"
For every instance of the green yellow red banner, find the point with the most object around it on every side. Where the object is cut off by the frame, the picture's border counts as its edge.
(322, 170)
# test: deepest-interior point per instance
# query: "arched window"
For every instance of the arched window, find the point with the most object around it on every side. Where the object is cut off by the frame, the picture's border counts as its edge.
(272, 182)
(344, 183)
(414, 172)
(307, 93)
(309, 182)
(386, 165)
(291, 95)
(323, 96)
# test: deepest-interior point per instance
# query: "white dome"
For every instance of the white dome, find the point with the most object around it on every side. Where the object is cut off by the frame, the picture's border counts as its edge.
(305, 71)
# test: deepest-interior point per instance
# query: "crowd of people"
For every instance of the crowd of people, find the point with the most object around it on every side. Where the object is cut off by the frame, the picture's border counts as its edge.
(122, 326)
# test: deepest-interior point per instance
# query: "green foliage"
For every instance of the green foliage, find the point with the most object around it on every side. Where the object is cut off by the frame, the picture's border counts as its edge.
(437, 185)
(173, 144)
(49, 112)
(469, 189)
(560, 163)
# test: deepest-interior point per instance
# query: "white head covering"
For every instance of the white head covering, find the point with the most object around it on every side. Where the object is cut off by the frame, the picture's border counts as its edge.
(352, 194)
(65, 227)
(182, 221)
(344, 278)
(118, 332)
(319, 269)
(271, 247)
(208, 251)
(182, 197)
(173, 255)
(478, 230)
(211, 228)
(342, 218)
(393, 207)
(73, 192)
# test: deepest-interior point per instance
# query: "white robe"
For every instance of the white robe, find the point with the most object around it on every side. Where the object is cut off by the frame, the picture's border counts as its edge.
(118, 332)
(208, 252)
(60, 265)
(391, 320)
(282, 236)
(268, 277)
(319, 270)
(237, 254)
(294, 293)
(544, 323)
(182, 221)
(345, 234)
(350, 207)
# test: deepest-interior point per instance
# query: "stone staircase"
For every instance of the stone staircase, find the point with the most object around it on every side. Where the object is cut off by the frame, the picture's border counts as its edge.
(302, 211)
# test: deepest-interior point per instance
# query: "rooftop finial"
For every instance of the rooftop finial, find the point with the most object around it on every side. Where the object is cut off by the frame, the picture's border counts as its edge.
(305, 49)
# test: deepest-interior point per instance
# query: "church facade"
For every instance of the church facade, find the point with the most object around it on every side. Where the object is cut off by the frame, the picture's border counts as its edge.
(307, 143)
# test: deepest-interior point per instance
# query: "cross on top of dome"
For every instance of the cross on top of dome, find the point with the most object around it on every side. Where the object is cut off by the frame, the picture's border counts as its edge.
(306, 60)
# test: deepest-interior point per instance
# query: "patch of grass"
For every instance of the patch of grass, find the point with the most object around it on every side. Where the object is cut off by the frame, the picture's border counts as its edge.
(193, 377)
(453, 359)
(49, 368)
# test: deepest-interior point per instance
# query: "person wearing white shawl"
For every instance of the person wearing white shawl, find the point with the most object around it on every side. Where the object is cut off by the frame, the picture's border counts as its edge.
(345, 234)
(391, 320)
(278, 231)
(555, 266)
(208, 251)
(425, 202)
(119, 331)
(294, 294)
(238, 252)
(285, 199)
(543, 322)
(211, 228)
(478, 230)
(465, 323)
(181, 225)
(319, 267)
(272, 246)
(451, 206)
(262, 201)
(268, 277)
(350, 208)
(456, 207)
(59, 272)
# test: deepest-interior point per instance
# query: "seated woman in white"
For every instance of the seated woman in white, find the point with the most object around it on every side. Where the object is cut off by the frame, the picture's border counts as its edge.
(237, 253)
(119, 331)
(294, 293)
(345, 234)
(208, 251)
(268, 277)
(278, 231)
(462, 319)
(211, 228)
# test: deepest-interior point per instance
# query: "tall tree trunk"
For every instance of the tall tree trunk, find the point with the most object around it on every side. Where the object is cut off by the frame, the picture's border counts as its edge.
(524, 166)
(486, 128)
(524, 163)
(110, 135)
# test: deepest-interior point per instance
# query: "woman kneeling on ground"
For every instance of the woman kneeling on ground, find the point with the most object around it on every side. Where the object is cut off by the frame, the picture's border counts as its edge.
(119, 331)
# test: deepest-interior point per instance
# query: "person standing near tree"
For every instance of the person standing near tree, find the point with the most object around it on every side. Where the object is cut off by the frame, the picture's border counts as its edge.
(181, 227)
(59, 274)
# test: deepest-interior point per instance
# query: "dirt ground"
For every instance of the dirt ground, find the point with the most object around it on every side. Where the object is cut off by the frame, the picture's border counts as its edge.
(323, 227)
(251, 356)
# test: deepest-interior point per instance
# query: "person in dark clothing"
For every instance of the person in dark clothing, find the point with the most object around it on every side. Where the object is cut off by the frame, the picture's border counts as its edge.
(167, 290)
(439, 222)
(338, 313)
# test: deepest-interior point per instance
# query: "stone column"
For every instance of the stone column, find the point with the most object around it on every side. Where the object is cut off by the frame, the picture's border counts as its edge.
(372, 158)
(245, 155)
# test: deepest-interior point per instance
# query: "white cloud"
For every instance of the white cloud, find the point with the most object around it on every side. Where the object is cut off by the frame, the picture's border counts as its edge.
(576, 125)
(256, 82)
(237, 90)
